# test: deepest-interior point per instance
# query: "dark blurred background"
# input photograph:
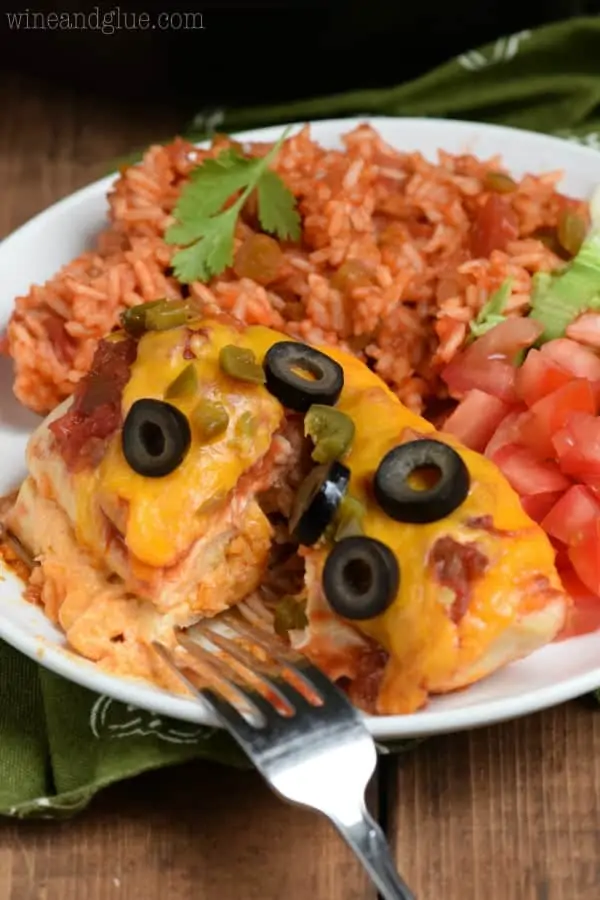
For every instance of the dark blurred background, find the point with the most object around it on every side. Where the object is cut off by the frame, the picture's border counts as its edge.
(249, 53)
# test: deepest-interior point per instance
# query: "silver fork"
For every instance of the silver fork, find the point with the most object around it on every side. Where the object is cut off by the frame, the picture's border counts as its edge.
(305, 738)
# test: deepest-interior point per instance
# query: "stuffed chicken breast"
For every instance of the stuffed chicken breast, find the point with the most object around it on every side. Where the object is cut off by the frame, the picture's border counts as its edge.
(203, 464)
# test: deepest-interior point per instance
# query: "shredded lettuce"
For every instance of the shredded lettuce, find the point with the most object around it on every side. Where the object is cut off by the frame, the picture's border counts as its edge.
(491, 313)
(559, 297)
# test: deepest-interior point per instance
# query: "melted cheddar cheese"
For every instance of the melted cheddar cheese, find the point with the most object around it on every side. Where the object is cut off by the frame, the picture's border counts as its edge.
(164, 516)
(197, 540)
(428, 650)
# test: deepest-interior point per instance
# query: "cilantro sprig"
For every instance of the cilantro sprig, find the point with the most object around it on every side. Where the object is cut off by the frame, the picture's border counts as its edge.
(205, 231)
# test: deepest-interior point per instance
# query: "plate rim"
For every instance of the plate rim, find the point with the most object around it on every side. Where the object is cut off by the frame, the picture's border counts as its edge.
(160, 702)
(399, 727)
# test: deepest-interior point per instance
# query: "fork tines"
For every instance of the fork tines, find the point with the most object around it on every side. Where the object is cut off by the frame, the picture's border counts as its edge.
(251, 670)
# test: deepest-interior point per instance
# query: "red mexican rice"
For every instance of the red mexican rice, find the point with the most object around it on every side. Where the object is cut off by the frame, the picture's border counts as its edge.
(387, 265)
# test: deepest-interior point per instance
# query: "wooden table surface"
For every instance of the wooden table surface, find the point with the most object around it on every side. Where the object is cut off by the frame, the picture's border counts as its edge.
(504, 813)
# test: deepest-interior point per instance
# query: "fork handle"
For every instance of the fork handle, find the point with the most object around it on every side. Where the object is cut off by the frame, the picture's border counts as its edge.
(369, 843)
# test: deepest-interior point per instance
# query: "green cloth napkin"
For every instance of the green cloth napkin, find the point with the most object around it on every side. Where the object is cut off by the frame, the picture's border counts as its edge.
(544, 80)
(59, 743)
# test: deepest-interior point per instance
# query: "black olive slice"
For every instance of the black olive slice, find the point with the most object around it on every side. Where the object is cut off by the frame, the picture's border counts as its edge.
(322, 383)
(156, 438)
(317, 501)
(361, 578)
(405, 503)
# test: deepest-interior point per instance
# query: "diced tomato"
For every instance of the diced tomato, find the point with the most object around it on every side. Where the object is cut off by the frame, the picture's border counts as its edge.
(574, 511)
(584, 554)
(493, 377)
(552, 412)
(62, 343)
(586, 329)
(583, 616)
(537, 506)
(538, 376)
(495, 225)
(561, 559)
(526, 474)
(594, 490)
(573, 584)
(508, 431)
(535, 439)
(577, 447)
(564, 446)
(570, 355)
(592, 481)
(487, 365)
(505, 340)
(475, 419)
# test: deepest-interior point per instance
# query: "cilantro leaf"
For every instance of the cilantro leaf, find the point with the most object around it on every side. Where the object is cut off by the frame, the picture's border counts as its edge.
(277, 207)
(211, 185)
(205, 231)
(491, 313)
(208, 257)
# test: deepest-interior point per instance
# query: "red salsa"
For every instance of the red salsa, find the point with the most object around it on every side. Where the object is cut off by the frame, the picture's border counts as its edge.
(95, 413)
(456, 566)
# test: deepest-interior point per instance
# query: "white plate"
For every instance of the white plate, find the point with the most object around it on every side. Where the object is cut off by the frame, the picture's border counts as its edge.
(34, 252)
